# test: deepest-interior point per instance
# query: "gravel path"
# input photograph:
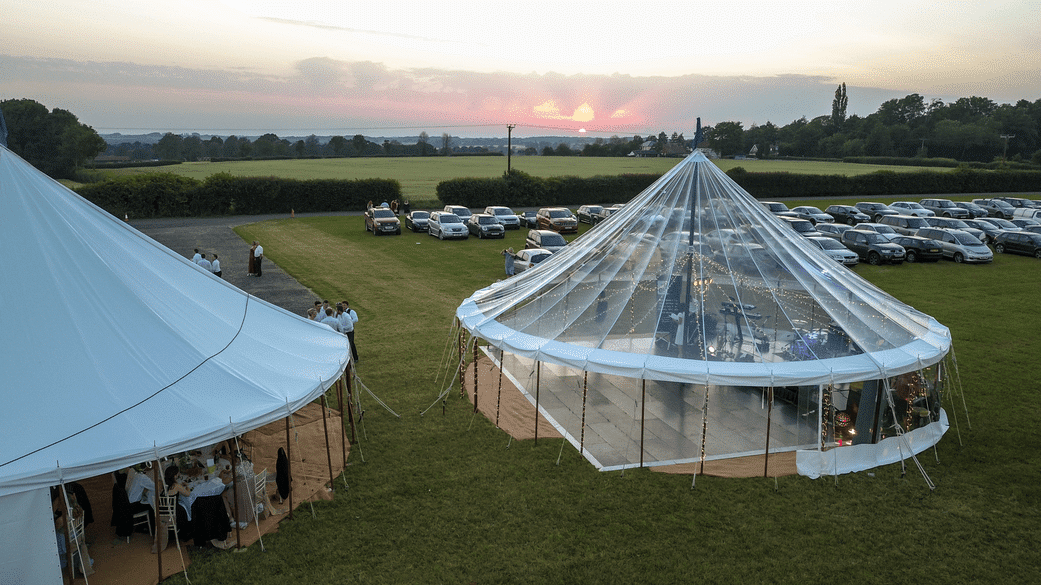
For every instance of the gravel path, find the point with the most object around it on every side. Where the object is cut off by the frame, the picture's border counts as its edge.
(214, 235)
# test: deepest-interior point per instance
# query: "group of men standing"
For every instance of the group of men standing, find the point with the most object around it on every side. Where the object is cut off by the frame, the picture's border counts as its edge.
(212, 266)
(342, 319)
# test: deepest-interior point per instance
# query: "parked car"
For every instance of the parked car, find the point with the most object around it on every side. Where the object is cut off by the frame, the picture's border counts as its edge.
(604, 213)
(887, 231)
(381, 220)
(586, 213)
(958, 245)
(835, 250)
(904, 224)
(973, 209)
(417, 220)
(911, 208)
(919, 249)
(833, 230)
(996, 208)
(545, 239)
(875, 210)
(1018, 202)
(990, 231)
(558, 219)
(1027, 213)
(463, 213)
(446, 225)
(1021, 222)
(1000, 223)
(872, 247)
(529, 219)
(813, 214)
(485, 225)
(505, 215)
(529, 257)
(774, 206)
(945, 208)
(1028, 243)
(956, 224)
(802, 226)
(847, 214)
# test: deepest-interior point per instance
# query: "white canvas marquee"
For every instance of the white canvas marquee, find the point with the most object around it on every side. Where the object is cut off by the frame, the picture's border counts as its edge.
(117, 350)
(691, 302)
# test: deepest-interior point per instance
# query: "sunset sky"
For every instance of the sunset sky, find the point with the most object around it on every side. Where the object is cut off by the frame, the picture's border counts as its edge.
(470, 68)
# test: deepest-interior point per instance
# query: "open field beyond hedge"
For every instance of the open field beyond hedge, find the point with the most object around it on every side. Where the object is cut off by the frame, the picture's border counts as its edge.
(419, 176)
(446, 498)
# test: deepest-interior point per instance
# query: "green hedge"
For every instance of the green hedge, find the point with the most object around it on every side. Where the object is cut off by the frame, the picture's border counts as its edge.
(169, 195)
(519, 189)
(962, 180)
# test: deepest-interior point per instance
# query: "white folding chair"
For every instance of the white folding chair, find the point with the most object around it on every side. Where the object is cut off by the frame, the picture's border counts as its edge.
(77, 541)
(166, 519)
(259, 492)
(142, 517)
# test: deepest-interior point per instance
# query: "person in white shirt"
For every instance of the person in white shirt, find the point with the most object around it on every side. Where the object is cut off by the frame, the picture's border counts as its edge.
(350, 318)
(205, 263)
(215, 267)
(196, 257)
(331, 321)
(258, 257)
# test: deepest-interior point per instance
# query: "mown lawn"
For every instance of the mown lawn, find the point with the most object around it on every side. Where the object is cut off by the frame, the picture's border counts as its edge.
(419, 176)
(446, 498)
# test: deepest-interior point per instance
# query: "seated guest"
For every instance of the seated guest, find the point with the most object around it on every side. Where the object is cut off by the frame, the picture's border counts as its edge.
(173, 487)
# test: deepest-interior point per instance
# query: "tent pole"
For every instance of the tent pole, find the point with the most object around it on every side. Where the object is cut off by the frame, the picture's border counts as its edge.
(498, 401)
(328, 449)
(235, 495)
(289, 459)
(585, 386)
(769, 413)
(462, 365)
(350, 402)
(643, 416)
(475, 372)
(538, 374)
(343, 429)
(159, 555)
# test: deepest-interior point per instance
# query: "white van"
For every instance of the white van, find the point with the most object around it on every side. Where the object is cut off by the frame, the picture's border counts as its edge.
(1027, 213)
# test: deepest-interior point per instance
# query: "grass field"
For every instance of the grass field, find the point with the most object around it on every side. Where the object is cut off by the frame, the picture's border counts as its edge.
(445, 498)
(419, 176)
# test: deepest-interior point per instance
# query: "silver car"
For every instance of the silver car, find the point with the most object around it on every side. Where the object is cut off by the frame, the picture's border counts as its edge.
(529, 257)
(958, 245)
(911, 208)
(505, 215)
(836, 250)
(446, 225)
(545, 239)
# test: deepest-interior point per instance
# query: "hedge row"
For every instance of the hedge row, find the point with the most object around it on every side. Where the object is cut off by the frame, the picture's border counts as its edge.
(519, 189)
(170, 195)
(779, 185)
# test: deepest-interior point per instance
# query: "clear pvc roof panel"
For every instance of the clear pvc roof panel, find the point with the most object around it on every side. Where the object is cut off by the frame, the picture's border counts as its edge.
(695, 281)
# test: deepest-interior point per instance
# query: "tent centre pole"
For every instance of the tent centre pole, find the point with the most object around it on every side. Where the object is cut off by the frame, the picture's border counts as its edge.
(769, 413)
(328, 449)
(289, 460)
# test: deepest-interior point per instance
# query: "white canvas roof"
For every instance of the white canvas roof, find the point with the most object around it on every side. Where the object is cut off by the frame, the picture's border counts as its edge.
(116, 349)
(759, 306)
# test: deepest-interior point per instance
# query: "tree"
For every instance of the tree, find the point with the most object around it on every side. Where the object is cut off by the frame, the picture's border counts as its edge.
(170, 146)
(338, 144)
(563, 150)
(191, 147)
(423, 143)
(359, 143)
(838, 106)
(446, 144)
(727, 138)
(54, 142)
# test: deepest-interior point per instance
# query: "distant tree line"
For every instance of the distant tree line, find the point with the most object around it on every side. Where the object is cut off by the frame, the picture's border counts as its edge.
(54, 141)
(967, 129)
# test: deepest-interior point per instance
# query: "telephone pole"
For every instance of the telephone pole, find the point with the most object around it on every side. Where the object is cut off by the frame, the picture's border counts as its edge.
(509, 145)
(1004, 156)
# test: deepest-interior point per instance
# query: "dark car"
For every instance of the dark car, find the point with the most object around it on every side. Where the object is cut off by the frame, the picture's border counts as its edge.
(381, 220)
(1018, 202)
(1028, 243)
(945, 208)
(904, 224)
(973, 209)
(875, 210)
(847, 214)
(417, 220)
(604, 213)
(990, 231)
(996, 208)
(545, 239)
(811, 213)
(484, 225)
(774, 206)
(587, 213)
(802, 226)
(919, 249)
(873, 247)
(956, 224)
(530, 219)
